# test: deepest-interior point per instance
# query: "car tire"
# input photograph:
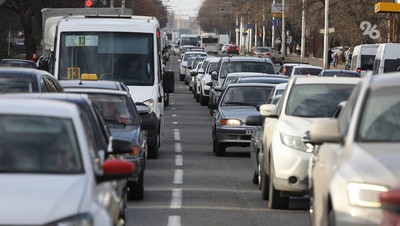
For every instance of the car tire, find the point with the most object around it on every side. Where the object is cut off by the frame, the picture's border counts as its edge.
(186, 83)
(276, 201)
(259, 174)
(282, 61)
(197, 97)
(264, 185)
(153, 149)
(136, 189)
(203, 101)
(255, 177)
(219, 149)
(166, 101)
(181, 77)
(190, 88)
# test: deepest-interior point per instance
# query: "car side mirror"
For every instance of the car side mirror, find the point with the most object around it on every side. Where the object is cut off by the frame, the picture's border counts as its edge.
(254, 120)
(214, 75)
(142, 108)
(115, 170)
(217, 88)
(179, 60)
(268, 110)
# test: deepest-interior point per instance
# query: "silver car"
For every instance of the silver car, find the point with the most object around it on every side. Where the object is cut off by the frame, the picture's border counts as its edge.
(359, 157)
(271, 53)
(229, 121)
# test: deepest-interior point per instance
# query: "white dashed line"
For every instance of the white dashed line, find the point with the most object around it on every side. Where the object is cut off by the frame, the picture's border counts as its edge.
(174, 123)
(178, 160)
(173, 115)
(176, 200)
(173, 108)
(177, 134)
(178, 147)
(178, 176)
(174, 221)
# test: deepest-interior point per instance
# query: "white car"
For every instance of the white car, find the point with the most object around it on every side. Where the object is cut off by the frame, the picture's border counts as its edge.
(51, 173)
(300, 71)
(359, 156)
(184, 60)
(285, 158)
(204, 88)
(225, 48)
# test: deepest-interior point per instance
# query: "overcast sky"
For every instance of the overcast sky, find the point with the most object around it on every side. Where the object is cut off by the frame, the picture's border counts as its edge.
(184, 7)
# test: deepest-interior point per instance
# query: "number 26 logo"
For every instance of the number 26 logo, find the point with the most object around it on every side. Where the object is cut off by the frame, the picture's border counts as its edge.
(370, 30)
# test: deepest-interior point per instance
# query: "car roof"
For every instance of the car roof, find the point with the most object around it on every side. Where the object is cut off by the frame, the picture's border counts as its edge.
(99, 84)
(327, 80)
(70, 97)
(241, 58)
(195, 52)
(388, 79)
(22, 71)
(263, 80)
(281, 86)
(306, 66)
(250, 84)
(37, 107)
(100, 91)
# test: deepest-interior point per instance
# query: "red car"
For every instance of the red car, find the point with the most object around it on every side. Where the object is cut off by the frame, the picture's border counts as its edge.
(390, 201)
(232, 49)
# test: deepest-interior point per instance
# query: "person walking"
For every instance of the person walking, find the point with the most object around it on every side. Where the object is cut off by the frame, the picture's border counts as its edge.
(329, 58)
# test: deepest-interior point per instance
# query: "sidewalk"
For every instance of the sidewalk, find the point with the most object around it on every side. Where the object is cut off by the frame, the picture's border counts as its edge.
(310, 60)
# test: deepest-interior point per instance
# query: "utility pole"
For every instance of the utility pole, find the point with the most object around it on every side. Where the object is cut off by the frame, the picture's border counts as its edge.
(236, 31)
(241, 35)
(273, 30)
(255, 34)
(303, 33)
(326, 39)
(283, 41)
(263, 34)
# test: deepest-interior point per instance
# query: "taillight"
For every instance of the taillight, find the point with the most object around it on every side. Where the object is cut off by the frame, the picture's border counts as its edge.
(268, 54)
(358, 70)
(229, 48)
(237, 48)
(254, 54)
(284, 70)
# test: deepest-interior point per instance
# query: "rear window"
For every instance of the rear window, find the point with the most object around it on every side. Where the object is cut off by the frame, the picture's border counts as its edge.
(306, 71)
(391, 65)
(246, 66)
(367, 62)
(340, 74)
(17, 84)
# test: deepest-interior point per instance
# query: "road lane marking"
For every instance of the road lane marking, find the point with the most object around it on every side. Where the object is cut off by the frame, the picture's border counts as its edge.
(177, 134)
(178, 176)
(176, 200)
(174, 221)
(173, 108)
(178, 147)
(173, 115)
(174, 123)
(178, 160)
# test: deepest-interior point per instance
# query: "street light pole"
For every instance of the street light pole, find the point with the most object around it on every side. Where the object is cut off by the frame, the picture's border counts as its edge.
(326, 39)
(303, 33)
(283, 41)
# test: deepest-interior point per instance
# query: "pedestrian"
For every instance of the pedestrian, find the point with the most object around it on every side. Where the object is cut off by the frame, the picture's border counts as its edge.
(335, 60)
(298, 49)
(329, 58)
(34, 57)
(349, 55)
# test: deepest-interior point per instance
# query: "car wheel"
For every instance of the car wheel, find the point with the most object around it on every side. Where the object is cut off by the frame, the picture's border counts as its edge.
(197, 97)
(219, 149)
(181, 77)
(153, 149)
(276, 201)
(259, 175)
(190, 88)
(136, 189)
(203, 101)
(264, 185)
(166, 101)
(255, 177)
(186, 83)
(282, 61)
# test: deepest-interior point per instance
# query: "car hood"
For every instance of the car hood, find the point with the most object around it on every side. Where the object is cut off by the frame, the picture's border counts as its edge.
(141, 93)
(238, 112)
(377, 163)
(128, 133)
(36, 199)
(295, 126)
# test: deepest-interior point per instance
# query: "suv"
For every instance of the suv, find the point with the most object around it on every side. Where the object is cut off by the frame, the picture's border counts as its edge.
(228, 65)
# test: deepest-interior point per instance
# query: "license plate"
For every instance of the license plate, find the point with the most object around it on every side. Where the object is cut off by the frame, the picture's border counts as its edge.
(248, 131)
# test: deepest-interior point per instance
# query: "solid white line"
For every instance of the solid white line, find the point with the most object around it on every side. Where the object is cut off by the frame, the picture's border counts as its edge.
(178, 176)
(174, 123)
(178, 147)
(177, 134)
(173, 108)
(173, 115)
(176, 200)
(178, 160)
(174, 221)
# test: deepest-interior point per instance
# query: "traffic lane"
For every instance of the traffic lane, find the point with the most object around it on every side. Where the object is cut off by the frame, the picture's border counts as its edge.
(213, 188)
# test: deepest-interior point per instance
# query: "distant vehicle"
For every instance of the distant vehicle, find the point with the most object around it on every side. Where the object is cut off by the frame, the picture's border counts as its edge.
(183, 63)
(225, 48)
(188, 39)
(270, 53)
(204, 87)
(305, 71)
(286, 69)
(27, 80)
(17, 63)
(232, 49)
(338, 73)
(387, 58)
(363, 58)
(223, 39)
(209, 42)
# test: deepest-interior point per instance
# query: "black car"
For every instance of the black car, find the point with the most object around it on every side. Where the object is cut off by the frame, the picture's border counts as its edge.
(26, 80)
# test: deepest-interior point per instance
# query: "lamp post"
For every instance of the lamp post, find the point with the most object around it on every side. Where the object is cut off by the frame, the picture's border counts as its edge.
(326, 35)
(303, 33)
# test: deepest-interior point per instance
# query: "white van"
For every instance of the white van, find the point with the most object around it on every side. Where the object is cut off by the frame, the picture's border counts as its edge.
(363, 58)
(106, 46)
(387, 58)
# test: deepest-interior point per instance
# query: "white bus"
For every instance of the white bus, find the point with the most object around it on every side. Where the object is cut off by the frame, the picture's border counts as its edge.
(187, 39)
(209, 42)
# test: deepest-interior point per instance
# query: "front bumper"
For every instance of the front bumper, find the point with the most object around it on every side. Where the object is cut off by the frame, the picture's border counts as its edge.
(358, 216)
(234, 136)
(290, 163)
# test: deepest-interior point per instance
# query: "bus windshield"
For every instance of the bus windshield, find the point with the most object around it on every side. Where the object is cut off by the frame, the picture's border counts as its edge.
(120, 56)
(189, 41)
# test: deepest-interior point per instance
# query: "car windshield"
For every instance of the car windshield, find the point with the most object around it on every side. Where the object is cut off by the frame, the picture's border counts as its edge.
(367, 62)
(38, 144)
(17, 84)
(212, 66)
(125, 57)
(116, 110)
(316, 100)
(262, 50)
(380, 119)
(189, 41)
(188, 55)
(306, 71)
(391, 65)
(246, 66)
(246, 96)
(229, 80)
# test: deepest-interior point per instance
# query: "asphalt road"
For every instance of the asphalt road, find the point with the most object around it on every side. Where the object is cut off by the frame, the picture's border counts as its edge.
(188, 185)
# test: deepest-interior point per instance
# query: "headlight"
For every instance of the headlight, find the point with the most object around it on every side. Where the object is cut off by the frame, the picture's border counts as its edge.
(293, 142)
(365, 195)
(231, 122)
(150, 104)
(84, 219)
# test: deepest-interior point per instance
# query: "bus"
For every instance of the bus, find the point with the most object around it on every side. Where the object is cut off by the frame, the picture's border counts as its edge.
(209, 42)
(187, 39)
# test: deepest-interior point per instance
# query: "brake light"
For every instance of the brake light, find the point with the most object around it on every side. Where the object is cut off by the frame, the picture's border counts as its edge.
(358, 70)
(254, 54)
(237, 48)
(229, 47)
(284, 70)
(268, 54)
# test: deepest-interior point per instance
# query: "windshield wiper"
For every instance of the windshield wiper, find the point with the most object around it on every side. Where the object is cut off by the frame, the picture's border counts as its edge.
(111, 121)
